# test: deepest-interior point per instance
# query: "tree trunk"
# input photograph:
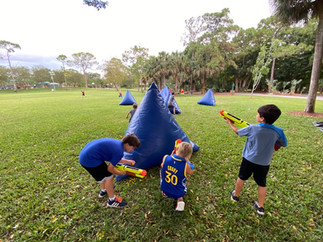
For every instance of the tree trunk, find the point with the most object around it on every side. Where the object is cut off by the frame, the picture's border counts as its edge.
(12, 75)
(203, 78)
(176, 82)
(164, 80)
(191, 83)
(318, 54)
(85, 80)
(270, 85)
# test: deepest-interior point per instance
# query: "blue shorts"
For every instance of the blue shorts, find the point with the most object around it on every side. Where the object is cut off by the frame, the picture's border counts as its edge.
(259, 172)
(99, 173)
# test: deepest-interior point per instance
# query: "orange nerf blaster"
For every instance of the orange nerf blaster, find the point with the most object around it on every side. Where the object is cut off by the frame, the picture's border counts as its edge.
(132, 171)
(235, 120)
(177, 142)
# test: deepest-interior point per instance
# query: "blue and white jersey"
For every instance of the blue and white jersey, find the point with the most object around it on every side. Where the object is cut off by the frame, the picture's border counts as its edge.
(173, 176)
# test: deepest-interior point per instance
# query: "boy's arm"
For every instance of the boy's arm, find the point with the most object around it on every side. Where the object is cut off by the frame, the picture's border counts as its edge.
(128, 162)
(113, 170)
(234, 128)
(162, 164)
(189, 169)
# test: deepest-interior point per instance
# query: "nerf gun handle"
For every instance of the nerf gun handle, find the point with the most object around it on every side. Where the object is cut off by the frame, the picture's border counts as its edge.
(132, 171)
(237, 121)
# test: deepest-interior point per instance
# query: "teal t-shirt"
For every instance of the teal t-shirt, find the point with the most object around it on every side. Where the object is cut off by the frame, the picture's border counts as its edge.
(259, 146)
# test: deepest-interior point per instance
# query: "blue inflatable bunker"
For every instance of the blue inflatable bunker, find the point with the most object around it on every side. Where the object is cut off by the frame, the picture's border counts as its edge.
(128, 99)
(207, 99)
(156, 129)
(165, 93)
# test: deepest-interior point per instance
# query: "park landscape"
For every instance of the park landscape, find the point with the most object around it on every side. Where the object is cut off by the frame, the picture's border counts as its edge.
(46, 194)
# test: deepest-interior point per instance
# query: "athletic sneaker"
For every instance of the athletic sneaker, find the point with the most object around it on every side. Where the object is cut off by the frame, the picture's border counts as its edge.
(102, 193)
(117, 202)
(180, 206)
(260, 210)
(233, 197)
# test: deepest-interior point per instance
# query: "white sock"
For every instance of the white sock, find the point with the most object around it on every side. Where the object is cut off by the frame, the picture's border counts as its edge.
(103, 190)
(111, 199)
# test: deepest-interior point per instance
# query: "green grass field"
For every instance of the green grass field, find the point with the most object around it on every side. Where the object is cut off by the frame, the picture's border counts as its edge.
(46, 195)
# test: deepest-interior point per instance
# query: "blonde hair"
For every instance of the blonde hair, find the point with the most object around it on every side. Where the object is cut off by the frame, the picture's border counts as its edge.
(185, 150)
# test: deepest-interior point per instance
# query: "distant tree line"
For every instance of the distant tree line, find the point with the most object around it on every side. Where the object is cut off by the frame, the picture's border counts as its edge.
(274, 57)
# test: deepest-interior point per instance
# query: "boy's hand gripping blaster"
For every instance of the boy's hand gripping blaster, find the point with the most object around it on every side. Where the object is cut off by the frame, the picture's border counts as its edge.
(237, 121)
(132, 171)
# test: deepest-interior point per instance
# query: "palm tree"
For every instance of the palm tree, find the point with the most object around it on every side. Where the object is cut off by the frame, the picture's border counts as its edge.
(294, 11)
(175, 66)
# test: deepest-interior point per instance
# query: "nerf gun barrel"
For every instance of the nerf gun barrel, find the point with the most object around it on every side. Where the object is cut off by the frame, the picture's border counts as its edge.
(237, 121)
(132, 171)
(177, 142)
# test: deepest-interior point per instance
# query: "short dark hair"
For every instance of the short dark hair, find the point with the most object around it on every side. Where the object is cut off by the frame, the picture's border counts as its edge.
(269, 112)
(134, 106)
(132, 140)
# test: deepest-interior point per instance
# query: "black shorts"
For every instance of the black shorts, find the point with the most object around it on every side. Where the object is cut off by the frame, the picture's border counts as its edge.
(259, 172)
(99, 173)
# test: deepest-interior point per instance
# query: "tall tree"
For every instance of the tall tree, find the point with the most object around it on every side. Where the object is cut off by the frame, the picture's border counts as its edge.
(10, 48)
(3, 75)
(261, 68)
(22, 76)
(114, 72)
(245, 55)
(194, 29)
(83, 61)
(135, 60)
(73, 78)
(63, 60)
(175, 65)
(41, 74)
(211, 51)
(294, 11)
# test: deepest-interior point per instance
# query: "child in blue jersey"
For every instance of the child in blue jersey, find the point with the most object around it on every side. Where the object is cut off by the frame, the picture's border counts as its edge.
(173, 174)
(94, 155)
(258, 151)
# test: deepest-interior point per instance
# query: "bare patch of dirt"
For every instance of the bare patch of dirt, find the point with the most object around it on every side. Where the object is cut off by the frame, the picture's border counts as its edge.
(302, 113)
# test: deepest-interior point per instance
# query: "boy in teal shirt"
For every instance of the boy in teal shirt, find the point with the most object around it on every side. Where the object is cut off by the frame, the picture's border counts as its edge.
(257, 152)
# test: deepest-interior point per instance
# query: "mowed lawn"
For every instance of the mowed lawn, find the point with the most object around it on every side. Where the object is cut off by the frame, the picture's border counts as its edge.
(46, 195)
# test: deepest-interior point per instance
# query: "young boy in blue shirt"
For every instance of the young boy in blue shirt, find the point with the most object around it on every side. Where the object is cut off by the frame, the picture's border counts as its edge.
(173, 174)
(132, 111)
(258, 151)
(94, 155)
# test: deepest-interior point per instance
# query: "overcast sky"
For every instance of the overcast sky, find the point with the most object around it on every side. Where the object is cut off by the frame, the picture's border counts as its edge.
(45, 29)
